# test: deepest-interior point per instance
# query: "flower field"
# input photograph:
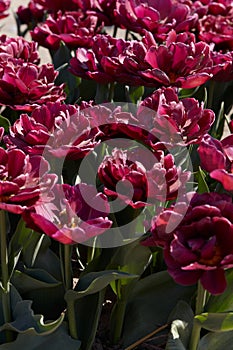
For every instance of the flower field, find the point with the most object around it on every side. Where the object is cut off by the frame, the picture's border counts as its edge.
(116, 175)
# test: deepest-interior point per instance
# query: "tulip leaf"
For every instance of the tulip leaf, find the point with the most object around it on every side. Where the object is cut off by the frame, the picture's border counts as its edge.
(202, 185)
(35, 250)
(218, 126)
(60, 60)
(224, 301)
(14, 299)
(5, 123)
(87, 89)
(181, 327)
(122, 260)
(24, 319)
(215, 322)
(93, 282)
(216, 341)
(150, 304)
(33, 279)
(86, 302)
(184, 93)
(58, 340)
(134, 93)
(43, 289)
(102, 93)
(61, 56)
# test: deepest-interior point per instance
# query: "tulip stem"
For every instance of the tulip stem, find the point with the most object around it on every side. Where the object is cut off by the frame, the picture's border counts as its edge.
(211, 94)
(118, 313)
(200, 303)
(5, 288)
(120, 316)
(66, 269)
(114, 31)
(111, 92)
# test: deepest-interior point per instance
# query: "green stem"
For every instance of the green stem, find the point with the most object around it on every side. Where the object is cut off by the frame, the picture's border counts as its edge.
(5, 275)
(91, 251)
(201, 298)
(114, 31)
(111, 92)
(67, 266)
(211, 94)
(102, 93)
(72, 320)
(119, 320)
(65, 261)
(200, 303)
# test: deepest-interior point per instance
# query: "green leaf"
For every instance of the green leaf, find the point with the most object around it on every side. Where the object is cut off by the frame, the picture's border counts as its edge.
(102, 93)
(87, 89)
(218, 126)
(216, 341)
(224, 301)
(35, 250)
(122, 260)
(43, 289)
(150, 304)
(61, 56)
(101, 262)
(202, 185)
(14, 299)
(25, 319)
(60, 59)
(58, 340)
(5, 123)
(85, 304)
(33, 279)
(95, 281)
(134, 93)
(215, 322)
(181, 327)
(184, 93)
(86, 313)
(25, 239)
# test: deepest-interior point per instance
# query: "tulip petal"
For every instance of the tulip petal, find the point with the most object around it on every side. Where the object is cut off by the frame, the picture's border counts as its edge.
(214, 281)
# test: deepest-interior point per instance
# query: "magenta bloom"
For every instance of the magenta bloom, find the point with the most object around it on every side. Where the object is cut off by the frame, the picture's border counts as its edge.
(55, 6)
(217, 30)
(217, 158)
(18, 48)
(140, 178)
(23, 86)
(31, 14)
(179, 62)
(209, 7)
(58, 129)
(4, 6)
(201, 246)
(172, 121)
(76, 214)
(226, 61)
(119, 167)
(158, 17)
(23, 180)
(106, 61)
(115, 123)
(73, 28)
(1, 133)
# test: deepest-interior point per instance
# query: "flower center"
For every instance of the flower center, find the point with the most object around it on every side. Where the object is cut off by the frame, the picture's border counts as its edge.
(70, 222)
(214, 260)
